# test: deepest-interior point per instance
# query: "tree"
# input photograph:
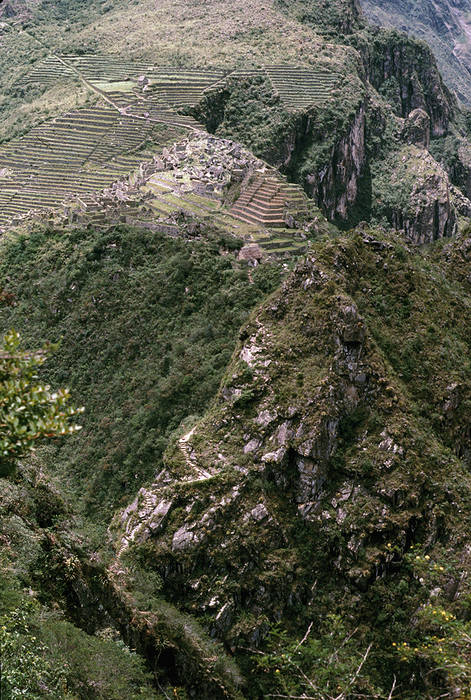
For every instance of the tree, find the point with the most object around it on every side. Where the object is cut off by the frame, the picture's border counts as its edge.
(29, 410)
(26, 669)
(326, 664)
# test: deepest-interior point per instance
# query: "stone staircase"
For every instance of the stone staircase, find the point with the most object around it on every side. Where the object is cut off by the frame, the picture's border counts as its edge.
(266, 201)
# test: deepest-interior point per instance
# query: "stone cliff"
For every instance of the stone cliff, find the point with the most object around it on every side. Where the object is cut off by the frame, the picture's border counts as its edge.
(405, 72)
(443, 24)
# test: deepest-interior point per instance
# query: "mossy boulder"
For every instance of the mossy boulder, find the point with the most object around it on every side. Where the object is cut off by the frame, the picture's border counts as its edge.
(412, 191)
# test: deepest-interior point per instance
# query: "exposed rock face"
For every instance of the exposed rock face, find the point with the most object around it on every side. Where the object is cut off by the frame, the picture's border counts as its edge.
(405, 71)
(289, 440)
(461, 203)
(93, 598)
(414, 193)
(148, 516)
(314, 458)
(458, 163)
(417, 128)
(335, 187)
(430, 214)
(8, 10)
(17, 8)
(462, 168)
(431, 222)
(443, 24)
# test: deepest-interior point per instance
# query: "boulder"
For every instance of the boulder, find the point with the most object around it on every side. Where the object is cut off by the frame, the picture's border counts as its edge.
(252, 253)
(417, 128)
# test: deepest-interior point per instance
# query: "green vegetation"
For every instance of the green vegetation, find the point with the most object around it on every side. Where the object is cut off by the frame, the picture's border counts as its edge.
(28, 411)
(364, 348)
(321, 667)
(333, 19)
(43, 655)
(25, 671)
(119, 296)
(147, 324)
(282, 471)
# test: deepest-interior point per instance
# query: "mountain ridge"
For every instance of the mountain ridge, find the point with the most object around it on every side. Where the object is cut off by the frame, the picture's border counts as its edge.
(443, 25)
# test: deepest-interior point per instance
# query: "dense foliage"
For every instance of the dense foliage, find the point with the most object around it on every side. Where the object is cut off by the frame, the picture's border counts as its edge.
(29, 411)
(147, 324)
(387, 511)
(44, 656)
(357, 588)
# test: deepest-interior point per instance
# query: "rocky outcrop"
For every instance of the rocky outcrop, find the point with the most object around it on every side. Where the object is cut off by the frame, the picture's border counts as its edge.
(444, 25)
(461, 167)
(461, 203)
(9, 10)
(297, 396)
(430, 214)
(319, 475)
(417, 128)
(455, 156)
(405, 72)
(335, 187)
(414, 193)
(252, 253)
(432, 219)
(93, 598)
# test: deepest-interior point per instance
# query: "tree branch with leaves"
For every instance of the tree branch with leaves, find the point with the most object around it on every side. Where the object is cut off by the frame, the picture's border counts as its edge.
(30, 411)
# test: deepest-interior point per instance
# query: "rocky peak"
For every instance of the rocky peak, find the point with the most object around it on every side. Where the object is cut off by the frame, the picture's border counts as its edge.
(417, 128)
(405, 71)
(311, 440)
(443, 24)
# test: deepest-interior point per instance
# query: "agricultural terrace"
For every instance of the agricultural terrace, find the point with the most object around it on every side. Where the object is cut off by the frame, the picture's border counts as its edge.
(49, 72)
(86, 150)
(78, 153)
(301, 87)
(298, 87)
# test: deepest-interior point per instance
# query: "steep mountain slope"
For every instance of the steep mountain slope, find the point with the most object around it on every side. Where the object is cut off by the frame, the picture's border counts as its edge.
(333, 459)
(270, 495)
(444, 25)
(164, 311)
(70, 630)
(339, 428)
